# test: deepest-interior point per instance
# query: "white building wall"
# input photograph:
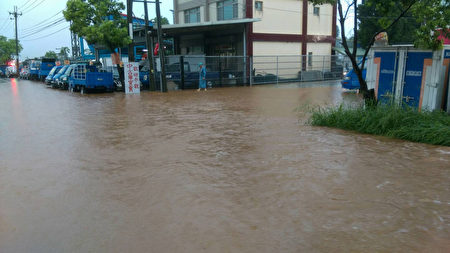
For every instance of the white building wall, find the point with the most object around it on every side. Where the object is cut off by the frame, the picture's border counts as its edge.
(202, 14)
(319, 48)
(276, 48)
(213, 12)
(279, 17)
(320, 59)
(181, 17)
(321, 24)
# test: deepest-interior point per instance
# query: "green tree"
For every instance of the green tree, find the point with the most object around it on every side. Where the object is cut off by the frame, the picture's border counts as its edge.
(51, 54)
(64, 53)
(431, 14)
(99, 22)
(164, 21)
(7, 49)
(371, 21)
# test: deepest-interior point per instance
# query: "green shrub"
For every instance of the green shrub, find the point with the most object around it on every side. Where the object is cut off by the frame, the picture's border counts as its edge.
(392, 121)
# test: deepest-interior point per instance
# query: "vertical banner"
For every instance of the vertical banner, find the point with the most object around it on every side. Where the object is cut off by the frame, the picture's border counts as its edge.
(132, 84)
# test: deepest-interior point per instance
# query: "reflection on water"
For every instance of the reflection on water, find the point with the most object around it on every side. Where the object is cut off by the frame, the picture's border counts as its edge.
(227, 170)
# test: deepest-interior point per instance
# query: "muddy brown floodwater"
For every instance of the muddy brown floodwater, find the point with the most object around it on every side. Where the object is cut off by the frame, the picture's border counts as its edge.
(227, 170)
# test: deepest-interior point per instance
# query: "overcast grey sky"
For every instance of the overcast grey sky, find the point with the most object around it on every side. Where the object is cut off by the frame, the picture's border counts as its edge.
(34, 35)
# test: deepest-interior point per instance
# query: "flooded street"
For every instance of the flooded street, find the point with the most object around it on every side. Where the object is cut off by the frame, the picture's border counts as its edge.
(227, 170)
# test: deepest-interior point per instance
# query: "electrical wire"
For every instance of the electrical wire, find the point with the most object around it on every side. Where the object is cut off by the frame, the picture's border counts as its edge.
(41, 24)
(24, 4)
(46, 36)
(5, 24)
(34, 7)
(58, 22)
(26, 8)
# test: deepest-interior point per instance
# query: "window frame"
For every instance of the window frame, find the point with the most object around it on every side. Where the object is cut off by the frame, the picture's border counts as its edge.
(316, 10)
(221, 9)
(189, 12)
(259, 5)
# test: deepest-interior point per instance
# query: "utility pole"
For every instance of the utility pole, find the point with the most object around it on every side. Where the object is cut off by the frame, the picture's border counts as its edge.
(151, 80)
(15, 14)
(161, 49)
(130, 30)
(75, 42)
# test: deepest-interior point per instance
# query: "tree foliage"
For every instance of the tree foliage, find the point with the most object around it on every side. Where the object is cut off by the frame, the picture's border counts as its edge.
(64, 53)
(51, 54)
(7, 49)
(164, 21)
(432, 15)
(373, 19)
(98, 22)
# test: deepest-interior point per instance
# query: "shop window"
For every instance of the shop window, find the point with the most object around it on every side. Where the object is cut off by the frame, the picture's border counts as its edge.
(192, 15)
(227, 10)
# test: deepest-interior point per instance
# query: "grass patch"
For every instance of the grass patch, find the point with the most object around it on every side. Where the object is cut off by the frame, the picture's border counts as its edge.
(387, 120)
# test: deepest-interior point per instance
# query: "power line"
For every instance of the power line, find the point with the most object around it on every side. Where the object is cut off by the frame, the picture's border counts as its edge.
(38, 38)
(54, 23)
(5, 24)
(25, 8)
(34, 7)
(58, 22)
(42, 23)
(24, 4)
(43, 26)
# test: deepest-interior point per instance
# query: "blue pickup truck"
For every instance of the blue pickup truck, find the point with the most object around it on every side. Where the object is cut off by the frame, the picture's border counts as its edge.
(85, 77)
(34, 70)
(47, 65)
(351, 81)
(53, 71)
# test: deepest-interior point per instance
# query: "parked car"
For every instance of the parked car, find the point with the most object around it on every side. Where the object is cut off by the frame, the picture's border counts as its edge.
(63, 79)
(53, 71)
(86, 77)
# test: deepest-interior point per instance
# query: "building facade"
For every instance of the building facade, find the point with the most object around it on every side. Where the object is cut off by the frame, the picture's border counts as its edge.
(253, 27)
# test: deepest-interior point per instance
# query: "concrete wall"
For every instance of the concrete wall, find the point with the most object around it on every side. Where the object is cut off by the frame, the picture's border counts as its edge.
(279, 17)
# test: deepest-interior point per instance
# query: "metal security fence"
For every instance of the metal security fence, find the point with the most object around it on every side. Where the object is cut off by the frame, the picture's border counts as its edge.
(301, 68)
(223, 71)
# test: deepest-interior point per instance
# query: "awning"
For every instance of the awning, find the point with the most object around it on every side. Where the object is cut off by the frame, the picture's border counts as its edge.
(181, 29)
